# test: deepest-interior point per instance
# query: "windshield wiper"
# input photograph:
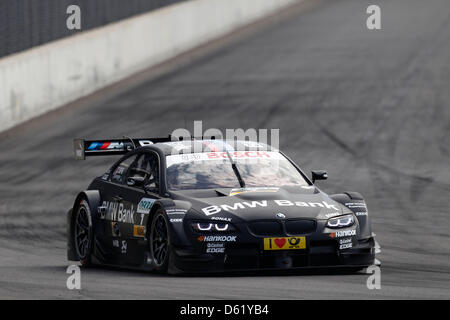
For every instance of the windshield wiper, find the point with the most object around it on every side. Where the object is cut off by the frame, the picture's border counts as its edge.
(236, 171)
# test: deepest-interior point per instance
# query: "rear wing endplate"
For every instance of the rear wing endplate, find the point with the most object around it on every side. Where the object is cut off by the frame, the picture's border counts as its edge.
(86, 148)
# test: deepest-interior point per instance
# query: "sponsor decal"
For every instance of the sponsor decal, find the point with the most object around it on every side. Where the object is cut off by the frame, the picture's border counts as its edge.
(355, 204)
(331, 215)
(217, 238)
(263, 203)
(145, 205)
(124, 246)
(346, 240)
(119, 212)
(345, 243)
(96, 146)
(345, 246)
(239, 205)
(118, 173)
(176, 211)
(221, 219)
(343, 233)
(176, 220)
(115, 145)
(215, 248)
(360, 206)
(115, 230)
(285, 243)
(138, 231)
(189, 157)
(240, 154)
(119, 170)
(322, 204)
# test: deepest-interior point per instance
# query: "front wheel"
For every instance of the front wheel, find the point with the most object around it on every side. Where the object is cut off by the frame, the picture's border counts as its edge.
(83, 233)
(160, 245)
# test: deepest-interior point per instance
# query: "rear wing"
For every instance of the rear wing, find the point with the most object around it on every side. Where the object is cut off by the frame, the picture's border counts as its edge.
(86, 148)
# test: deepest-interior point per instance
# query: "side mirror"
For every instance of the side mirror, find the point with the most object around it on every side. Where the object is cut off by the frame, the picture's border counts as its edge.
(319, 175)
(135, 181)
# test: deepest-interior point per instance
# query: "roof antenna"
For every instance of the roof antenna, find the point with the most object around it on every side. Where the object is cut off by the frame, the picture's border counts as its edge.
(134, 146)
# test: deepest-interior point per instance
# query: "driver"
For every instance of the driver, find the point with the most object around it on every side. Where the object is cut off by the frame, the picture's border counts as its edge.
(152, 179)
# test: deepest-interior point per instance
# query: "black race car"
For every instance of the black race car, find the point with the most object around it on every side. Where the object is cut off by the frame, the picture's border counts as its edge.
(212, 205)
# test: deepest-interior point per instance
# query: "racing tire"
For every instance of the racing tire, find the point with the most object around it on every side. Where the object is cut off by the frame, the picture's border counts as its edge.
(160, 242)
(82, 233)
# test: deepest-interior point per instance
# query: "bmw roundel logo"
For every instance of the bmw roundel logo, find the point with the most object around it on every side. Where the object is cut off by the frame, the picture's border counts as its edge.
(280, 215)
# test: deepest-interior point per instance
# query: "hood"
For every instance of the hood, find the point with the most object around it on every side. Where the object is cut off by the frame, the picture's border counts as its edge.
(249, 204)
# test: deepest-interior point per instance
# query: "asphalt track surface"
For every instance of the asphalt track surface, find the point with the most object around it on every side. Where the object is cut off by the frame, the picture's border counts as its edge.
(371, 107)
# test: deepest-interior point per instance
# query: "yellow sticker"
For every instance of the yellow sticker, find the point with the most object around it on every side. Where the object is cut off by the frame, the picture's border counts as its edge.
(285, 243)
(139, 231)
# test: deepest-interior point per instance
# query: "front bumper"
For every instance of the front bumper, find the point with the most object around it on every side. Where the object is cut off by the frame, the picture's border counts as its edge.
(320, 252)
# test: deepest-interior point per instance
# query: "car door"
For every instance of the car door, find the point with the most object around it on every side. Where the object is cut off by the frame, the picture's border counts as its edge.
(140, 191)
(116, 212)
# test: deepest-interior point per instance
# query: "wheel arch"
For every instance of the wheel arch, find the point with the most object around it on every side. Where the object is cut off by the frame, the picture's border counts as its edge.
(94, 200)
(159, 204)
(156, 206)
(177, 234)
(356, 203)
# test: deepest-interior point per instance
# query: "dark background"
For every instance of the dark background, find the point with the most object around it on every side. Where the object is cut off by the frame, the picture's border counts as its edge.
(28, 23)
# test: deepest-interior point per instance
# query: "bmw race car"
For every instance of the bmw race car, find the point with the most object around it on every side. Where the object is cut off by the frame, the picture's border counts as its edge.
(191, 206)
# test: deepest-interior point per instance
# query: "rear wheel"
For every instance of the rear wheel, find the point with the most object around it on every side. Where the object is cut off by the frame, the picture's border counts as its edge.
(160, 245)
(83, 233)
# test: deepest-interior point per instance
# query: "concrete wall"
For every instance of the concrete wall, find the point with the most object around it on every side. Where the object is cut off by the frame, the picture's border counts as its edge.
(46, 77)
(25, 24)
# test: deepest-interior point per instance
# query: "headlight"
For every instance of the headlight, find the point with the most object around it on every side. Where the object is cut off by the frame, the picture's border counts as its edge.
(212, 227)
(341, 222)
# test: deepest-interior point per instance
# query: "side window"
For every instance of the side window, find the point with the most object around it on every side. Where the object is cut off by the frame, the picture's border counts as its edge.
(147, 168)
(120, 173)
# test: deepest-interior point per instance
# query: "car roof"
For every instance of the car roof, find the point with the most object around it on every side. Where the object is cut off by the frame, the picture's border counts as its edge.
(197, 146)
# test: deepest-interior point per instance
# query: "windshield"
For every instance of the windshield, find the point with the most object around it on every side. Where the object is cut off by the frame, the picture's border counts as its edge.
(210, 170)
